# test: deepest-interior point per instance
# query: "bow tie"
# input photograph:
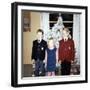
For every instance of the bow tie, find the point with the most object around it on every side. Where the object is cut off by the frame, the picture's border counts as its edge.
(65, 40)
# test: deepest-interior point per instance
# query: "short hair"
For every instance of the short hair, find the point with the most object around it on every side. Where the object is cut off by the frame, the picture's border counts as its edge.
(66, 29)
(51, 38)
(40, 30)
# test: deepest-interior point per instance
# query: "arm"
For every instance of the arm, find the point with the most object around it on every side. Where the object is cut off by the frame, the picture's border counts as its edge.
(56, 55)
(32, 51)
(60, 52)
(32, 57)
(45, 58)
(73, 51)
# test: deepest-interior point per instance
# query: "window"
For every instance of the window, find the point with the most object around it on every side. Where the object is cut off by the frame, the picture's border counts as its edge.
(66, 17)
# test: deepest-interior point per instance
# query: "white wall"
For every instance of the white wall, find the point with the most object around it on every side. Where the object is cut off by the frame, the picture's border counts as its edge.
(76, 35)
(45, 23)
(5, 46)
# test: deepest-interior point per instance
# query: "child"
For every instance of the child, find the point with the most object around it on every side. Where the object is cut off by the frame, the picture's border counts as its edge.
(51, 58)
(66, 52)
(38, 53)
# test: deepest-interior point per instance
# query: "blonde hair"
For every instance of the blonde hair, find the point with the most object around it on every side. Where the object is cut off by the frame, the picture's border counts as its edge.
(51, 38)
(68, 31)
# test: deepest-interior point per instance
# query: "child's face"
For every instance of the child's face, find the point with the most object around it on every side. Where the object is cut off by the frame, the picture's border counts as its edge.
(65, 33)
(51, 43)
(39, 35)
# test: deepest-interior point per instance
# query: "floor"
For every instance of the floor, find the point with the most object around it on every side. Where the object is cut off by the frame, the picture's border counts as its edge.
(28, 71)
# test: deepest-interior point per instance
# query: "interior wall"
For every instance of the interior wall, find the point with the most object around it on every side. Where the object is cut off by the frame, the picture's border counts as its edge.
(76, 35)
(28, 37)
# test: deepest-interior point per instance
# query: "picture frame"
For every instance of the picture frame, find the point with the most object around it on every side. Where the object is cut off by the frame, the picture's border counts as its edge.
(18, 41)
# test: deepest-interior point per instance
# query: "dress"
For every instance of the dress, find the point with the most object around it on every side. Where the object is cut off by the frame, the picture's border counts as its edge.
(51, 59)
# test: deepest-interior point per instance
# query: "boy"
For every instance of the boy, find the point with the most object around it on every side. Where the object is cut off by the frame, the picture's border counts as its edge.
(66, 52)
(38, 53)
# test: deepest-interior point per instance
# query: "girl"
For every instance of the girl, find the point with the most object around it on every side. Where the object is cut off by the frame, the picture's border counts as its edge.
(66, 52)
(51, 58)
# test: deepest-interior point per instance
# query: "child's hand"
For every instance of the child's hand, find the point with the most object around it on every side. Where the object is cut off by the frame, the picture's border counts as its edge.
(57, 64)
(44, 61)
(33, 61)
(59, 61)
(72, 62)
(45, 65)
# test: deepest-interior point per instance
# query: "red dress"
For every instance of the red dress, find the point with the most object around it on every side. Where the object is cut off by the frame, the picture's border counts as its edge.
(66, 50)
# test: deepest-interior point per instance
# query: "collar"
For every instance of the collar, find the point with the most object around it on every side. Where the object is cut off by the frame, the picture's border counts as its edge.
(39, 41)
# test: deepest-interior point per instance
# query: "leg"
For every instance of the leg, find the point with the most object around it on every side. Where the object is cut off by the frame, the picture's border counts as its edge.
(63, 72)
(37, 68)
(65, 68)
(68, 68)
(48, 73)
(41, 69)
(53, 73)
